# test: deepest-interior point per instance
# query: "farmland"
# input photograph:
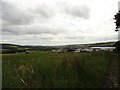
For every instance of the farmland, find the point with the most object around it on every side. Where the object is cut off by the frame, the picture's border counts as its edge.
(12, 48)
(55, 70)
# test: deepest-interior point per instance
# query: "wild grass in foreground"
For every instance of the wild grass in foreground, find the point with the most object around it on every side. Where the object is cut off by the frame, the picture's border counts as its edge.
(118, 69)
(55, 70)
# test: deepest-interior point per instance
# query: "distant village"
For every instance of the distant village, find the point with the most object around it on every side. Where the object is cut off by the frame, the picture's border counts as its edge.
(85, 49)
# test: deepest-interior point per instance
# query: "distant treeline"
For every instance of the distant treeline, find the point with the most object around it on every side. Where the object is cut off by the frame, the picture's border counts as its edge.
(117, 45)
(12, 48)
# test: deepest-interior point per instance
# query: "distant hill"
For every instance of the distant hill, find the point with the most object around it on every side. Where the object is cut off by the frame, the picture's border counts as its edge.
(12, 48)
(19, 48)
(103, 44)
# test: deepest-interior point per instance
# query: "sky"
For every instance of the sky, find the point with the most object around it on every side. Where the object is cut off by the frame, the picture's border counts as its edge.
(58, 22)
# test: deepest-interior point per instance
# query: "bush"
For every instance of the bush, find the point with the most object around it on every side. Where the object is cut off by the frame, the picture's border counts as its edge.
(117, 45)
(9, 51)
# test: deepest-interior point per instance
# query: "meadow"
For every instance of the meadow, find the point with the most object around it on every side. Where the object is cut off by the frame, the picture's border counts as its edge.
(54, 70)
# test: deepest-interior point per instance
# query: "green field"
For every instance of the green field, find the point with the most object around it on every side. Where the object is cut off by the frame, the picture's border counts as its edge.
(54, 70)
(119, 69)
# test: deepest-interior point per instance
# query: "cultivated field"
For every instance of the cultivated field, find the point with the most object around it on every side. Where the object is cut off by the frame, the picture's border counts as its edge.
(55, 70)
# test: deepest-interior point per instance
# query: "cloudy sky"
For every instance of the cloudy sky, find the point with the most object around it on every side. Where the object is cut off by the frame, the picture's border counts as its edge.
(58, 22)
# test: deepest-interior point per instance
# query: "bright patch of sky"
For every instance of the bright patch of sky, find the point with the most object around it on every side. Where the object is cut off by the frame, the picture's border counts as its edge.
(58, 22)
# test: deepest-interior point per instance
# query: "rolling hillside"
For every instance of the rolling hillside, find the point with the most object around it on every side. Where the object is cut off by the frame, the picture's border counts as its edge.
(12, 48)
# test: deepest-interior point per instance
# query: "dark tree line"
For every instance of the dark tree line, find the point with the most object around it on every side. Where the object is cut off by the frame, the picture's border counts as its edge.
(117, 18)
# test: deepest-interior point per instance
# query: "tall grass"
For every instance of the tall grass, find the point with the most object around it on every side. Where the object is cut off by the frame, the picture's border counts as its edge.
(118, 55)
(55, 70)
(89, 68)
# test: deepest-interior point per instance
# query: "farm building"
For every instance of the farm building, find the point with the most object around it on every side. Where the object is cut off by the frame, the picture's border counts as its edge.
(95, 49)
(77, 50)
(103, 48)
(87, 49)
(83, 50)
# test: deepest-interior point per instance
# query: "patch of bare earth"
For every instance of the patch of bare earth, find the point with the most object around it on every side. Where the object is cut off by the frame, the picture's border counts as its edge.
(111, 77)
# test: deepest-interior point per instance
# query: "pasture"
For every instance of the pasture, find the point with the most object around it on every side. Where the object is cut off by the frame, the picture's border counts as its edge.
(54, 70)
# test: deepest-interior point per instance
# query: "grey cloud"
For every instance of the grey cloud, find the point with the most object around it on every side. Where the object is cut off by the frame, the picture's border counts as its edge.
(12, 14)
(44, 11)
(78, 11)
(109, 37)
(11, 30)
(93, 38)
(50, 38)
(76, 37)
(23, 30)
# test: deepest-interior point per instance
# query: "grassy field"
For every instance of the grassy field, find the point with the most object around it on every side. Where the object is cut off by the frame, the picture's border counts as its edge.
(119, 69)
(54, 70)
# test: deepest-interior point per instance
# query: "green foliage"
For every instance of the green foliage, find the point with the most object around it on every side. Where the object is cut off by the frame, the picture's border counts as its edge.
(18, 48)
(88, 68)
(9, 51)
(118, 58)
(117, 45)
(117, 18)
(55, 70)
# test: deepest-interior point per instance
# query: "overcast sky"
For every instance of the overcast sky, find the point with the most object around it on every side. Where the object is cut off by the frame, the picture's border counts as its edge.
(58, 22)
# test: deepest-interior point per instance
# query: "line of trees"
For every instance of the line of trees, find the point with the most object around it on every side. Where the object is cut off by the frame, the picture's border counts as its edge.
(12, 51)
(117, 18)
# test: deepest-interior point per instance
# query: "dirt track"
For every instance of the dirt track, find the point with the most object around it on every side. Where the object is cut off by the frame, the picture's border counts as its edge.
(111, 77)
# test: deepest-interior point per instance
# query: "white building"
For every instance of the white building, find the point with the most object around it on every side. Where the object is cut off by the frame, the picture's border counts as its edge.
(82, 50)
(95, 49)
(103, 48)
(78, 50)
(87, 49)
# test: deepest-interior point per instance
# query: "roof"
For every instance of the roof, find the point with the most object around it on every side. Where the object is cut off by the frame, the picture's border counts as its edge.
(103, 47)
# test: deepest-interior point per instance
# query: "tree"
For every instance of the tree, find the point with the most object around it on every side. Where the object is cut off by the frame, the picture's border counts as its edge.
(117, 18)
(117, 45)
